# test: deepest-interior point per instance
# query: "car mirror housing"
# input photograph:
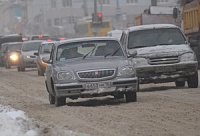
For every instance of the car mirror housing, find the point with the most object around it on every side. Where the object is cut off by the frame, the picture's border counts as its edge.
(132, 53)
(36, 53)
(46, 60)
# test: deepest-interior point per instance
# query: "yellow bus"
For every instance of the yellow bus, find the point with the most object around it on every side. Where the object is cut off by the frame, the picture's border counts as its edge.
(85, 28)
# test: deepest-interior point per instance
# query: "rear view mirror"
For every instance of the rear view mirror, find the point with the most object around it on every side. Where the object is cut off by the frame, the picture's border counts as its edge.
(132, 53)
(36, 53)
(46, 60)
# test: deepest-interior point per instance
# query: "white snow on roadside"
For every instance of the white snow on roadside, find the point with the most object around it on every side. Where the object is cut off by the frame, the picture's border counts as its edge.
(15, 123)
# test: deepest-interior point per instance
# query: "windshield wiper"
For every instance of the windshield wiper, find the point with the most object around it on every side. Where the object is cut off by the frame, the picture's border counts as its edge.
(89, 52)
(112, 53)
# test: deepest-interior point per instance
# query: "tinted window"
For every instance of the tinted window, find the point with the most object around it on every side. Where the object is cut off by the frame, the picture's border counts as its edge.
(40, 37)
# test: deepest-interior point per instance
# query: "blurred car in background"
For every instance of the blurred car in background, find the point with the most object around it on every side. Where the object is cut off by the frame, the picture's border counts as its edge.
(43, 51)
(6, 39)
(39, 37)
(27, 58)
(90, 67)
(11, 57)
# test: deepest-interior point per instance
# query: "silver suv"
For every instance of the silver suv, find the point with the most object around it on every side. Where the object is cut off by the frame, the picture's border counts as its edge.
(163, 54)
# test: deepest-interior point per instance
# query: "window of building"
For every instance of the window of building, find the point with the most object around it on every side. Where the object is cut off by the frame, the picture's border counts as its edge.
(49, 22)
(53, 3)
(131, 1)
(67, 3)
(56, 22)
(104, 2)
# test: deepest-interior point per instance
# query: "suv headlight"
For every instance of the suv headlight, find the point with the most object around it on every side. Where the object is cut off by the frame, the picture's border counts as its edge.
(127, 70)
(188, 57)
(140, 61)
(65, 76)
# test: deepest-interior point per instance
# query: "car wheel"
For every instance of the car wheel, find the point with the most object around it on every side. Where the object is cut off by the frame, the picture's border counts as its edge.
(40, 73)
(22, 68)
(7, 65)
(180, 83)
(18, 68)
(60, 101)
(193, 80)
(119, 96)
(51, 99)
(131, 96)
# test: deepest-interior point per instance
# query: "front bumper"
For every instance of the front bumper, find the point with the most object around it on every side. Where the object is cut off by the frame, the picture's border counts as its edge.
(79, 89)
(29, 63)
(166, 73)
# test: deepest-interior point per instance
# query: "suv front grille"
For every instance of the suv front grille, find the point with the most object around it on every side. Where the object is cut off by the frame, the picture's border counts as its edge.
(96, 74)
(164, 60)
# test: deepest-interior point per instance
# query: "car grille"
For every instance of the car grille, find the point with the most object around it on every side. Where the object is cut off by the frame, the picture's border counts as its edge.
(164, 60)
(96, 74)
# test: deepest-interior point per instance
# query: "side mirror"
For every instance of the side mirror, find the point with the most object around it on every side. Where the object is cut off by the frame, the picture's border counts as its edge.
(47, 60)
(36, 53)
(193, 42)
(132, 53)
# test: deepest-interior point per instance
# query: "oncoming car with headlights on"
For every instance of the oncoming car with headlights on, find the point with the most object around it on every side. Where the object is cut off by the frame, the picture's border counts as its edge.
(27, 58)
(43, 51)
(90, 67)
(11, 57)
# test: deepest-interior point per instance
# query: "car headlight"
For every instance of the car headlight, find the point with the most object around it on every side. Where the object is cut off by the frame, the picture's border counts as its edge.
(65, 76)
(28, 57)
(140, 61)
(188, 57)
(127, 70)
(14, 57)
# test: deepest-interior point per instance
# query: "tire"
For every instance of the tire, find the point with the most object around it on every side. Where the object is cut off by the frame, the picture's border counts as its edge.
(51, 99)
(7, 65)
(18, 69)
(60, 101)
(119, 96)
(180, 83)
(40, 73)
(131, 96)
(193, 80)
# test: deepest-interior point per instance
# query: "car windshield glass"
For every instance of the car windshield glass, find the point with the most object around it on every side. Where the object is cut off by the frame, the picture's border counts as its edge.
(14, 47)
(86, 49)
(46, 48)
(30, 46)
(153, 37)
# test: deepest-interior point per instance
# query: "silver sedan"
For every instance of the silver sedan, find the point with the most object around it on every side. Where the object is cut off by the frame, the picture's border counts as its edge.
(90, 67)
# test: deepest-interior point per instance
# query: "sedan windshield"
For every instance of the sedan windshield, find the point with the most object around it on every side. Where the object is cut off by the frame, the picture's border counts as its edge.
(153, 37)
(85, 49)
(30, 46)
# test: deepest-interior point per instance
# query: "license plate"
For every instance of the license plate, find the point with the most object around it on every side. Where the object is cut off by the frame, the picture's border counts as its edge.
(165, 69)
(98, 85)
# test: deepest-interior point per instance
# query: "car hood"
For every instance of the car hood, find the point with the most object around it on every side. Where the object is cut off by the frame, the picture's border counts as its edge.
(29, 53)
(93, 64)
(162, 51)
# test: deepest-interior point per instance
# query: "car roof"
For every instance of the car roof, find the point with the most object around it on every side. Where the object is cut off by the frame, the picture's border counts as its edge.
(31, 41)
(151, 26)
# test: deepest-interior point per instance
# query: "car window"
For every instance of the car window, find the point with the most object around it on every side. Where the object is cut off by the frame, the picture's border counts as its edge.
(46, 48)
(14, 47)
(30, 46)
(152, 37)
(89, 49)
